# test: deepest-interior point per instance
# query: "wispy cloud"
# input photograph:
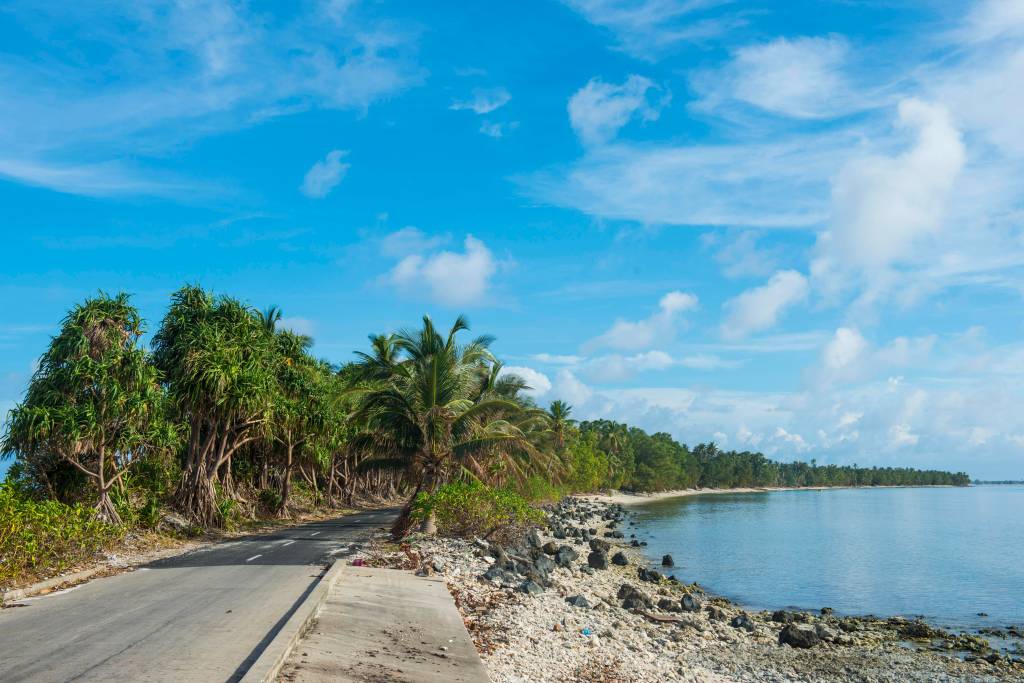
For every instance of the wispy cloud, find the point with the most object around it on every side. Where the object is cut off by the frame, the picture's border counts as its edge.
(139, 80)
(325, 175)
(484, 100)
(649, 29)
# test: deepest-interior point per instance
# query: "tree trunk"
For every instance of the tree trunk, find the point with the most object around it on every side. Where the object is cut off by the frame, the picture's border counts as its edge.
(286, 483)
(105, 509)
(401, 527)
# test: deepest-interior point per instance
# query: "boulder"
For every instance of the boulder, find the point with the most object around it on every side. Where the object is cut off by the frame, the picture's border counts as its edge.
(598, 544)
(633, 598)
(578, 601)
(716, 613)
(565, 556)
(649, 575)
(598, 560)
(690, 603)
(533, 538)
(781, 616)
(667, 561)
(743, 621)
(530, 588)
(549, 548)
(826, 633)
(669, 605)
(799, 635)
(544, 564)
(620, 559)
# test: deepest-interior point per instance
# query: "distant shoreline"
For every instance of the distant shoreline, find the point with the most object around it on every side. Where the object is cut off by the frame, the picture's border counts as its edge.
(626, 498)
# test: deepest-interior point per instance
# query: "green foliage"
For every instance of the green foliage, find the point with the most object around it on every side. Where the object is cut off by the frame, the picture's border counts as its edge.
(638, 461)
(41, 538)
(471, 508)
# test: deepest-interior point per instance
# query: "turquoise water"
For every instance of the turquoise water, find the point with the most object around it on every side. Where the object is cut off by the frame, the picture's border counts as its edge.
(942, 553)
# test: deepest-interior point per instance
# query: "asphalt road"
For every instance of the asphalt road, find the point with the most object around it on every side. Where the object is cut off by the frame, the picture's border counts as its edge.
(202, 616)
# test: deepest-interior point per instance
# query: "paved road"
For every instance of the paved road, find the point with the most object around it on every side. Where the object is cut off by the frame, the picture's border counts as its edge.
(202, 616)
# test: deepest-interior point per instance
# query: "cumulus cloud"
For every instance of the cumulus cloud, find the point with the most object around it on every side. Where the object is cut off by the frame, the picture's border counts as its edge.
(451, 278)
(849, 357)
(325, 175)
(658, 328)
(540, 384)
(759, 308)
(799, 77)
(599, 110)
(883, 206)
(483, 100)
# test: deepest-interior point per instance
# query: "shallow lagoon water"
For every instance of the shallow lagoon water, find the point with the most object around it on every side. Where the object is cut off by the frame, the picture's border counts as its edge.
(942, 553)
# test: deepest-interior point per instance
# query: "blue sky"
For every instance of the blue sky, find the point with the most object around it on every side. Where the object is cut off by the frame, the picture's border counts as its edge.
(790, 227)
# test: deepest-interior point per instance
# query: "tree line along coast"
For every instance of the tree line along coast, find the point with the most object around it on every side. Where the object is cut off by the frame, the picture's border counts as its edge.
(226, 416)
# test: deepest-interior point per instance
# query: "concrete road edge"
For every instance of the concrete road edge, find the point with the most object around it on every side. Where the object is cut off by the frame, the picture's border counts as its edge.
(274, 655)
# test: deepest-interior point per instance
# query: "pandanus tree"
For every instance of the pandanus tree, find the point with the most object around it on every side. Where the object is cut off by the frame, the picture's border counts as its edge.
(218, 358)
(301, 405)
(94, 400)
(429, 419)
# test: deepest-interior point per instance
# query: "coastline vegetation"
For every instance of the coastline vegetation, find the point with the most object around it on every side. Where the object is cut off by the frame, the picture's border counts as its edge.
(227, 417)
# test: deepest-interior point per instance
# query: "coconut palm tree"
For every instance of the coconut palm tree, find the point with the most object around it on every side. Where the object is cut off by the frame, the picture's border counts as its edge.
(558, 414)
(429, 420)
(94, 401)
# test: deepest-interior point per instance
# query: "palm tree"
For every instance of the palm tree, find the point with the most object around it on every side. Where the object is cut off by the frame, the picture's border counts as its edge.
(428, 418)
(559, 416)
(94, 401)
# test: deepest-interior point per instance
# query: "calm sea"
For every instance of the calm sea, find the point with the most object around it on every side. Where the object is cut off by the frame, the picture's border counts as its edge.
(942, 553)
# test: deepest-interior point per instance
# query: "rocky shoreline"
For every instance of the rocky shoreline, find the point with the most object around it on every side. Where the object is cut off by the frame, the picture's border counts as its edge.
(578, 601)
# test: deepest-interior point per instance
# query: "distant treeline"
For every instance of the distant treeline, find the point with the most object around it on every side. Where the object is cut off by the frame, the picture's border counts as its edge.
(1003, 482)
(615, 455)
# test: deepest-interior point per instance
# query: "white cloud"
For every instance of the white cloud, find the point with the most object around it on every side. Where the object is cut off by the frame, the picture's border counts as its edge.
(570, 389)
(740, 255)
(658, 328)
(497, 130)
(598, 110)
(174, 74)
(799, 77)
(650, 28)
(450, 278)
(759, 308)
(780, 184)
(844, 349)
(849, 357)
(483, 100)
(882, 205)
(902, 436)
(616, 368)
(539, 383)
(555, 359)
(325, 175)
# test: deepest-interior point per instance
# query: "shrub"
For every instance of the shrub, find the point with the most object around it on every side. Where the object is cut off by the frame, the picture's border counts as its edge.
(472, 509)
(39, 538)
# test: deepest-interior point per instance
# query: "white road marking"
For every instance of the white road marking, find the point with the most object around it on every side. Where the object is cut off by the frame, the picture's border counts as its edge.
(254, 557)
(314, 533)
(287, 543)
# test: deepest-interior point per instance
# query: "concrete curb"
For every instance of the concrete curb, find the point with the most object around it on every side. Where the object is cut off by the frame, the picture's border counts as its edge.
(274, 655)
(28, 591)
